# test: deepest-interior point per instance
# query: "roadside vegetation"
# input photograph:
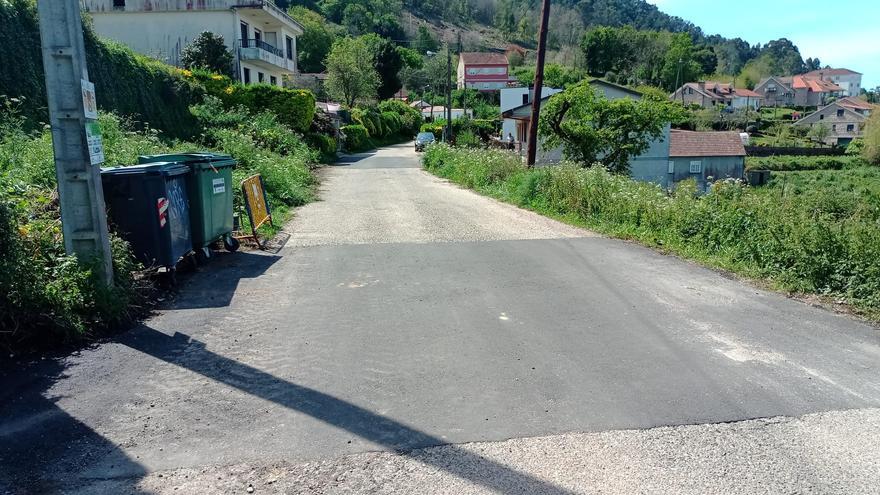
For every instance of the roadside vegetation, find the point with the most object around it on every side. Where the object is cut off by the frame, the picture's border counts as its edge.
(48, 298)
(798, 237)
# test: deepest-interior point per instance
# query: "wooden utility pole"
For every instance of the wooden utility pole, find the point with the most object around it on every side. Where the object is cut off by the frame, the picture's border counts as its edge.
(539, 83)
(76, 140)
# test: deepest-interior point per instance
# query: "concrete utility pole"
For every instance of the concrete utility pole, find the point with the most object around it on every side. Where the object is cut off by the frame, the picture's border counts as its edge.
(539, 83)
(448, 93)
(76, 143)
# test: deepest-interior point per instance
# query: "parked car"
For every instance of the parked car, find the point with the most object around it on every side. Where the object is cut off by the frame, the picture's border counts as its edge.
(424, 139)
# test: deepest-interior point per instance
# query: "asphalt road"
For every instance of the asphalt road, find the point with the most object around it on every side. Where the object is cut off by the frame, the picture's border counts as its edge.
(413, 337)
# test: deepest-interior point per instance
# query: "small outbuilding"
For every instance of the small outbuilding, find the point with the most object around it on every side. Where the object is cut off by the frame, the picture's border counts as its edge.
(705, 156)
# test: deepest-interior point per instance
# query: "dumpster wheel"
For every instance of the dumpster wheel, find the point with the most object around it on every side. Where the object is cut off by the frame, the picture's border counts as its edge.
(231, 243)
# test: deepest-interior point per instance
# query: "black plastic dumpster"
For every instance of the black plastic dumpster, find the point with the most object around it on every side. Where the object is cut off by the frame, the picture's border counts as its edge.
(210, 191)
(148, 207)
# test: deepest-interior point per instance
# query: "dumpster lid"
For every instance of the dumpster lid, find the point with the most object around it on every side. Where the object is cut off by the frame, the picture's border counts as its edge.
(156, 168)
(192, 158)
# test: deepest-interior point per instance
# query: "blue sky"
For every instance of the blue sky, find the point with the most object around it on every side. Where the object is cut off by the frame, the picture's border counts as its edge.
(845, 33)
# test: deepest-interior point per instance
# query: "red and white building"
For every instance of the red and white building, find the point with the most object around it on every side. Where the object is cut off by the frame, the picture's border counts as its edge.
(483, 71)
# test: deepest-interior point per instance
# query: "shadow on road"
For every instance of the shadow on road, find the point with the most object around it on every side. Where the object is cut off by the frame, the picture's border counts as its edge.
(215, 286)
(42, 446)
(351, 159)
(192, 355)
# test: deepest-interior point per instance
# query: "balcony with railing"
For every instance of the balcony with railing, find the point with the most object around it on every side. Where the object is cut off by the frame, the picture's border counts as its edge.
(264, 55)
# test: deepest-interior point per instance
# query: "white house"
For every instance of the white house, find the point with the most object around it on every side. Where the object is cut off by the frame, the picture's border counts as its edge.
(515, 97)
(432, 113)
(261, 36)
(849, 80)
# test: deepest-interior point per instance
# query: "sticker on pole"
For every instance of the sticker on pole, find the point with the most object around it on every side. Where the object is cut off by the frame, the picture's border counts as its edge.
(90, 103)
(219, 186)
(94, 143)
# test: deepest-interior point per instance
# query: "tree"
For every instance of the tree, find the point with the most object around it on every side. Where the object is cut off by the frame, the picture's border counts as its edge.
(679, 65)
(314, 44)
(388, 64)
(819, 132)
(207, 51)
(812, 64)
(351, 72)
(607, 49)
(592, 129)
(425, 41)
(871, 141)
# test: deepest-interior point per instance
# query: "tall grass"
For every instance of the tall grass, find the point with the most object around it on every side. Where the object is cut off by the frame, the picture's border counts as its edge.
(810, 241)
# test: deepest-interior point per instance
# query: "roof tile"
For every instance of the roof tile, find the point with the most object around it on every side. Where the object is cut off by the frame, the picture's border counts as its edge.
(690, 143)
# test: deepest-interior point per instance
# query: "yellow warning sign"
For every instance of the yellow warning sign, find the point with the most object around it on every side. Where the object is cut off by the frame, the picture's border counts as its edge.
(255, 202)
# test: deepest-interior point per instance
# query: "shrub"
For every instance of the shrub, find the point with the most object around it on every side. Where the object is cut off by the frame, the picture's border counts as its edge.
(788, 163)
(410, 118)
(356, 137)
(293, 107)
(871, 142)
(207, 51)
(323, 143)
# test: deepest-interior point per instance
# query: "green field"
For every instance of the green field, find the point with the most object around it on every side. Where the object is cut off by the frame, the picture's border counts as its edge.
(861, 183)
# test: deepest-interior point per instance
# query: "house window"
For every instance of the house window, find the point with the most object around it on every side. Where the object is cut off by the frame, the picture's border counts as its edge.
(696, 166)
(821, 116)
(244, 34)
(840, 113)
(288, 43)
(671, 169)
(834, 127)
(260, 77)
(247, 75)
(273, 80)
(525, 99)
(119, 3)
(850, 127)
(258, 35)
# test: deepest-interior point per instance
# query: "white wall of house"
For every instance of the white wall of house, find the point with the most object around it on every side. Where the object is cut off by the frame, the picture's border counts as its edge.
(851, 83)
(743, 102)
(514, 97)
(164, 32)
(163, 35)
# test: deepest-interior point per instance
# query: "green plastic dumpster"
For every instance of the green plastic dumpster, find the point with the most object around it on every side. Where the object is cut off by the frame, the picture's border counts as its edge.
(210, 190)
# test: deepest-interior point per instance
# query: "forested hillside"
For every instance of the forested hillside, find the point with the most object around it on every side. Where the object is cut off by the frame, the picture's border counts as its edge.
(630, 41)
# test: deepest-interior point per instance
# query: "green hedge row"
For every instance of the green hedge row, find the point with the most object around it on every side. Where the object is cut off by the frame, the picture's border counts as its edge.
(792, 163)
(820, 240)
(125, 83)
(294, 107)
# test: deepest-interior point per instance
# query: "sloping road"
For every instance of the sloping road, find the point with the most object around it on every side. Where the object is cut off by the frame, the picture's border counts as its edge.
(405, 313)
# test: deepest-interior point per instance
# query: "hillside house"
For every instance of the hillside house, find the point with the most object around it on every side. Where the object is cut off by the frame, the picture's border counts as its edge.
(483, 71)
(844, 123)
(711, 94)
(704, 157)
(650, 165)
(261, 36)
(857, 105)
(797, 91)
(432, 113)
(848, 80)
(516, 97)
(675, 156)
